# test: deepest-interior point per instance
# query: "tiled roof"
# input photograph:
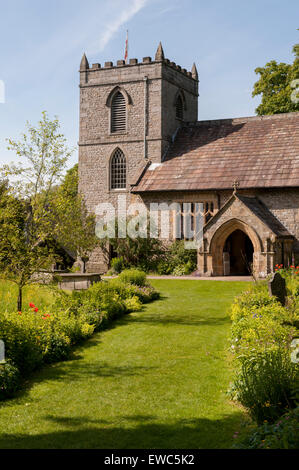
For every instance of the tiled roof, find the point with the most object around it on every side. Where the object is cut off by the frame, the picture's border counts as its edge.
(262, 212)
(258, 152)
(259, 209)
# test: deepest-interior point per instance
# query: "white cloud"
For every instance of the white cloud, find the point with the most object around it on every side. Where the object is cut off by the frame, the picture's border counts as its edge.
(113, 26)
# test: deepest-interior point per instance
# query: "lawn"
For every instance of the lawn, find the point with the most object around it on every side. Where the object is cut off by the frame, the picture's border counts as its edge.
(157, 379)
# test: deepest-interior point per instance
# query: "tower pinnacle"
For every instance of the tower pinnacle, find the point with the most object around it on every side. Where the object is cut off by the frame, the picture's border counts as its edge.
(160, 53)
(84, 63)
(194, 72)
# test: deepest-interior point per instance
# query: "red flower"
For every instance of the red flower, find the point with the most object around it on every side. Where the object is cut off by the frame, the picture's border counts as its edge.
(31, 305)
(36, 310)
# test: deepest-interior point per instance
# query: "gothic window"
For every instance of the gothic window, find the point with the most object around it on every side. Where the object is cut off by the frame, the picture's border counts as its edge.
(209, 211)
(118, 113)
(179, 108)
(192, 210)
(118, 170)
(182, 229)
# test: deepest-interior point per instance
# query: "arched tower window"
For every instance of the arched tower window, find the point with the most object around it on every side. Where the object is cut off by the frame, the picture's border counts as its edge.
(179, 108)
(118, 170)
(118, 113)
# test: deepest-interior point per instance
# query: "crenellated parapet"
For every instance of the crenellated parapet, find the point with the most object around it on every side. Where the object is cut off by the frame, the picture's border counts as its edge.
(159, 59)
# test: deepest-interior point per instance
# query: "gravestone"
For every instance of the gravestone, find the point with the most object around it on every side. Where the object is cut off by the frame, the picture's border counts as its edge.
(277, 288)
(2, 352)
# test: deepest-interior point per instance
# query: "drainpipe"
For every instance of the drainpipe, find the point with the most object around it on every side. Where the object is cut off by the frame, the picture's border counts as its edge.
(145, 115)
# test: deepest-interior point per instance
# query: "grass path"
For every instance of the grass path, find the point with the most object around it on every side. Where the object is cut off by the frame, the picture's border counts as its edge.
(157, 379)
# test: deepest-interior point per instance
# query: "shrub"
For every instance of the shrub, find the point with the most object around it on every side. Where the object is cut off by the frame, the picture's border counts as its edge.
(262, 332)
(250, 301)
(133, 276)
(145, 294)
(22, 341)
(56, 345)
(137, 252)
(265, 383)
(182, 269)
(283, 434)
(10, 380)
(133, 304)
(117, 265)
(177, 260)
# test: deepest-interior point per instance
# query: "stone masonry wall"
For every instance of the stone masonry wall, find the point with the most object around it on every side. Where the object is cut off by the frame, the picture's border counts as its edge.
(282, 202)
(97, 143)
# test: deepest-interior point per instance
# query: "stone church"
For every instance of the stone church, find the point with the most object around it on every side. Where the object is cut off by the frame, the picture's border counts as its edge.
(140, 136)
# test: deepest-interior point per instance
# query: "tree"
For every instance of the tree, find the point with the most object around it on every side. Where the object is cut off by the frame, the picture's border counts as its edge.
(20, 255)
(34, 210)
(76, 225)
(279, 86)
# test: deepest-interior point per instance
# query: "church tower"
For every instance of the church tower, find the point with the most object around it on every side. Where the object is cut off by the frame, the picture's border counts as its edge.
(129, 114)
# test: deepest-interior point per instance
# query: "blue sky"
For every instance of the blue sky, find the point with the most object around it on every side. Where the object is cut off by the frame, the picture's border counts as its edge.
(42, 42)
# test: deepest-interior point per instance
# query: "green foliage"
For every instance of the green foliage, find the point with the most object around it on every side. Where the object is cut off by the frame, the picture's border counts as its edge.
(9, 380)
(140, 252)
(264, 384)
(22, 249)
(133, 304)
(75, 226)
(133, 276)
(21, 337)
(36, 212)
(117, 265)
(28, 220)
(262, 333)
(145, 293)
(283, 434)
(177, 260)
(276, 87)
(33, 338)
(168, 360)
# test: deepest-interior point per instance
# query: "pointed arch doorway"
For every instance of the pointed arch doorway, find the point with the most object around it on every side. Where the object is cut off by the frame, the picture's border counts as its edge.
(235, 249)
(238, 254)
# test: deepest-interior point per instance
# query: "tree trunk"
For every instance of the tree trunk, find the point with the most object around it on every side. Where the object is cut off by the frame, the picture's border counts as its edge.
(20, 299)
(84, 266)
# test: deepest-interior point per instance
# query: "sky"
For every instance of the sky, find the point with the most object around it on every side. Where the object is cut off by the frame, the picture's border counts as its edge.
(42, 42)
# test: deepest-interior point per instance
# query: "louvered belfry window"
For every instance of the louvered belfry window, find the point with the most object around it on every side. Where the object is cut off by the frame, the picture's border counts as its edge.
(118, 114)
(118, 170)
(179, 108)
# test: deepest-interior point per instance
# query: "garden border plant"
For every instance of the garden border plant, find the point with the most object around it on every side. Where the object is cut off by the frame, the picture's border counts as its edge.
(262, 335)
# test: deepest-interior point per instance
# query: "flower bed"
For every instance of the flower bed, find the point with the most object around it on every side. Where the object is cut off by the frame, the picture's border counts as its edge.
(33, 337)
(263, 332)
